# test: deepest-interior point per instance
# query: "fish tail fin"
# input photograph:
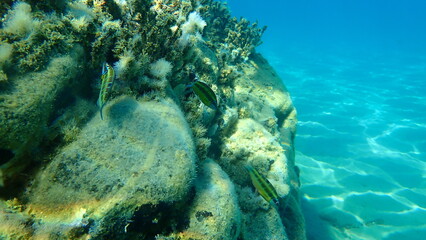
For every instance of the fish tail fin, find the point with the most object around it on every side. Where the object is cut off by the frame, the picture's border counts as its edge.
(99, 102)
(248, 167)
(100, 110)
(104, 69)
(189, 86)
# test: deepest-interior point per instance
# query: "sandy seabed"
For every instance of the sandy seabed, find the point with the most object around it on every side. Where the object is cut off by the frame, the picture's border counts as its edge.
(359, 141)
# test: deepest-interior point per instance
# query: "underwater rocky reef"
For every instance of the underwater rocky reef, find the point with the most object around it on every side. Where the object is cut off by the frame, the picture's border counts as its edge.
(167, 159)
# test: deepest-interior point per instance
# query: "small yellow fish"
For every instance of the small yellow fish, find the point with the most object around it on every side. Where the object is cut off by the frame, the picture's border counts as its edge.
(264, 187)
(107, 80)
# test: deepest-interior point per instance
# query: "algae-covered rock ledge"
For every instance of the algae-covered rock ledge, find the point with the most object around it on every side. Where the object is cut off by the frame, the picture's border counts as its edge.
(189, 105)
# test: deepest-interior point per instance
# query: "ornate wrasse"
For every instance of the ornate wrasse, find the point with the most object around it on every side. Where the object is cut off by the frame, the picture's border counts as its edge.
(205, 94)
(107, 80)
(264, 187)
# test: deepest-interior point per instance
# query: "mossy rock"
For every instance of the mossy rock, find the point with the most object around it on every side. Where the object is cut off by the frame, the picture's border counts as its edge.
(214, 213)
(140, 156)
(25, 109)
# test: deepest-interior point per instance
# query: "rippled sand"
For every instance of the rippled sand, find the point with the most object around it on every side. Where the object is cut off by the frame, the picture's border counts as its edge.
(360, 141)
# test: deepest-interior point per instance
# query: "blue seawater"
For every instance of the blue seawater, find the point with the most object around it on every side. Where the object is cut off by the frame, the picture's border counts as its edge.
(356, 70)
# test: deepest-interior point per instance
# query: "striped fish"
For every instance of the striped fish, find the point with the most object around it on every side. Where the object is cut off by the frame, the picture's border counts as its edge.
(107, 80)
(204, 93)
(264, 187)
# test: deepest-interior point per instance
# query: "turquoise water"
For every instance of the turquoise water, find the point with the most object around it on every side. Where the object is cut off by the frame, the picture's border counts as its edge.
(356, 71)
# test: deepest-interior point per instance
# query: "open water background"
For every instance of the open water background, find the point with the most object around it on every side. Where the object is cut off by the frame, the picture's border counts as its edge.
(356, 70)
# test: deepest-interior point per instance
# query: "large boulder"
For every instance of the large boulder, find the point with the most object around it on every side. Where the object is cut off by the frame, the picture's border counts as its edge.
(214, 213)
(263, 136)
(141, 156)
(25, 109)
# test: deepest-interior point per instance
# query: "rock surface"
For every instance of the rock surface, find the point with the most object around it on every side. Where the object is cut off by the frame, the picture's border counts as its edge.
(214, 213)
(25, 109)
(263, 137)
(140, 154)
(161, 165)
